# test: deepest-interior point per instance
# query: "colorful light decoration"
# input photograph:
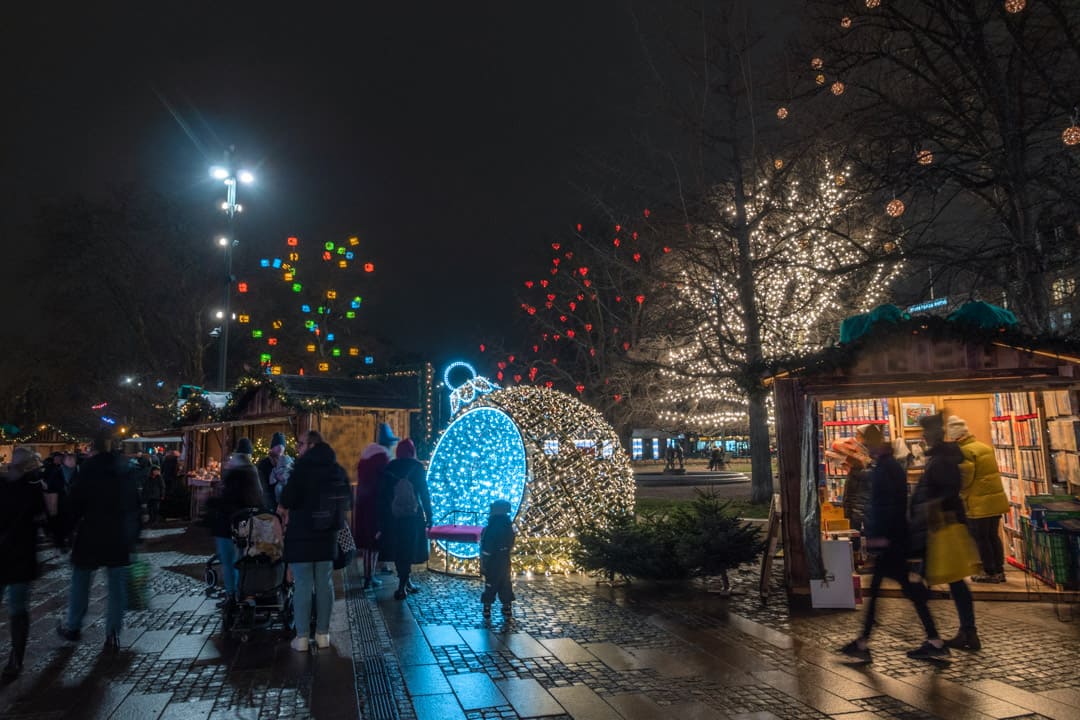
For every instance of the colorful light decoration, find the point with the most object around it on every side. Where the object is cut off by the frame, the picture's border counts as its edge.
(324, 367)
(837, 88)
(872, 3)
(1015, 6)
(781, 113)
(244, 318)
(292, 242)
(895, 208)
(845, 22)
(1071, 135)
(555, 459)
(817, 63)
(924, 157)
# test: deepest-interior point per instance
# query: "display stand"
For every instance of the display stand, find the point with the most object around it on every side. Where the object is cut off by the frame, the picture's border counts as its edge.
(837, 588)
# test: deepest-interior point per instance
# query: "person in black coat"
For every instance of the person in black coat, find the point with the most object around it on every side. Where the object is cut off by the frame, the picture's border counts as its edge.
(317, 496)
(404, 515)
(105, 511)
(496, 542)
(240, 490)
(886, 526)
(22, 508)
(938, 492)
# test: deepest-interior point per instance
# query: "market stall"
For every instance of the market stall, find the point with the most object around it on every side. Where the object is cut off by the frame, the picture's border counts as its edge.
(1016, 393)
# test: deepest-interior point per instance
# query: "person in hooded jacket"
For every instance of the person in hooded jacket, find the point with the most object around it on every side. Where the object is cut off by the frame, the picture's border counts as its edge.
(22, 508)
(240, 490)
(886, 524)
(496, 542)
(404, 515)
(984, 499)
(274, 469)
(317, 497)
(105, 511)
(365, 528)
(939, 488)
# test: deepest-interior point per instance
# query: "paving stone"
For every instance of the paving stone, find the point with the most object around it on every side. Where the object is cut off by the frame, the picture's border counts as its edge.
(476, 690)
(528, 698)
(443, 707)
(1041, 704)
(199, 710)
(1069, 696)
(760, 715)
(184, 646)
(807, 692)
(104, 702)
(693, 711)
(636, 706)
(153, 641)
(992, 706)
(425, 680)
(142, 707)
(524, 646)
(568, 650)
(482, 640)
(582, 703)
(615, 657)
(442, 635)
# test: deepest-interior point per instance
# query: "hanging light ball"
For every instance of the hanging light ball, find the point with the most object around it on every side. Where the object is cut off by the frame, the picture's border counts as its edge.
(781, 113)
(1071, 135)
(819, 79)
(872, 3)
(837, 88)
(778, 163)
(889, 246)
(845, 22)
(924, 157)
(1015, 6)
(840, 181)
(817, 63)
(895, 208)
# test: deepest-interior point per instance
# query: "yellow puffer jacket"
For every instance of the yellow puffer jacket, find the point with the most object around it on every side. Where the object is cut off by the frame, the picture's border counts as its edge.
(980, 480)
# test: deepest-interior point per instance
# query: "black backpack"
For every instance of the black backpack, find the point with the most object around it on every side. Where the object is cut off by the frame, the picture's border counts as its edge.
(404, 503)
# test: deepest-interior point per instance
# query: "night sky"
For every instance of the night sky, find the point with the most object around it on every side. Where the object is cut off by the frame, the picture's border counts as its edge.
(453, 138)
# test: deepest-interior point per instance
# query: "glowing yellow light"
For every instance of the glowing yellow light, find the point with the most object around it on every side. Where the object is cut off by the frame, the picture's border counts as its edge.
(1071, 136)
(331, 294)
(924, 157)
(294, 256)
(845, 22)
(277, 324)
(895, 208)
(354, 241)
(837, 88)
(872, 3)
(889, 247)
(354, 352)
(288, 277)
(778, 163)
(311, 347)
(244, 318)
(817, 63)
(781, 113)
(275, 370)
(819, 79)
(1015, 6)
(343, 264)
(324, 367)
(840, 180)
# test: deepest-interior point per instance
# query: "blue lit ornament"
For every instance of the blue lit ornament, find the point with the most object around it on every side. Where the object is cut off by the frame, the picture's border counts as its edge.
(556, 460)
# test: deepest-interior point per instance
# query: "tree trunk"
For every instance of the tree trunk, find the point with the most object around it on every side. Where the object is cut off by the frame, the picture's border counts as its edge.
(761, 477)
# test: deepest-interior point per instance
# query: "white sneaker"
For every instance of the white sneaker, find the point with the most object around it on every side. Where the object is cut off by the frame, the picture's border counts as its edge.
(322, 641)
(299, 644)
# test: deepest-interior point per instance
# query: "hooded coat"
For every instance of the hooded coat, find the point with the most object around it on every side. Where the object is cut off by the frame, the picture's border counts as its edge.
(404, 539)
(317, 497)
(22, 505)
(105, 510)
(980, 480)
(240, 490)
(366, 508)
(940, 484)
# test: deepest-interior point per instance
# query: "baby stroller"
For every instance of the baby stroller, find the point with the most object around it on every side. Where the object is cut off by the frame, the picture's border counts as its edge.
(264, 597)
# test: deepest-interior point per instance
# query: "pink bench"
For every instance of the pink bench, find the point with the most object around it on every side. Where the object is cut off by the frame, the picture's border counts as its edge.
(454, 533)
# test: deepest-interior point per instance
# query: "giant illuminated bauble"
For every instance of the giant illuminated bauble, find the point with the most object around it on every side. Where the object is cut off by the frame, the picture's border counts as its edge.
(553, 458)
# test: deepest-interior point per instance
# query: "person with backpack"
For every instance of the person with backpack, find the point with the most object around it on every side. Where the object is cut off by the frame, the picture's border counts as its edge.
(404, 515)
(317, 496)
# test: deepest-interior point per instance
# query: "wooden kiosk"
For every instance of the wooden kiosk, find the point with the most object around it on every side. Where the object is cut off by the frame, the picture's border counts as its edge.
(1015, 393)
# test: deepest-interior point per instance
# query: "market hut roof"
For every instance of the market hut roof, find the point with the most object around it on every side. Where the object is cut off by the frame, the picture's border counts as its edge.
(935, 353)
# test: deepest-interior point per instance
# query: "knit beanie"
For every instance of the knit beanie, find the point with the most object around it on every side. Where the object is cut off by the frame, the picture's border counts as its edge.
(405, 449)
(277, 439)
(500, 507)
(243, 446)
(956, 428)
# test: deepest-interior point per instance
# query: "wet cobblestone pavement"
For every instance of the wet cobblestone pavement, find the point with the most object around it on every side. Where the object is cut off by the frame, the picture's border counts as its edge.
(571, 649)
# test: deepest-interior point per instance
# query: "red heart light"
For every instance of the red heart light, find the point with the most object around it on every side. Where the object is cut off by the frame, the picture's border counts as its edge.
(551, 297)
(554, 361)
(647, 213)
(556, 337)
(580, 297)
(531, 310)
(618, 299)
(617, 397)
(588, 283)
(543, 283)
(583, 270)
(529, 284)
(592, 352)
(588, 327)
(573, 306)
(580, 388)
(637, 257)
(569, 256)
(554, 271)
(579, 227)
(617, 242)
(618, 228)
(570, 334)
(549, 304)
(626, 346)
(482, 348)
(510, 358)
(548, 384)
(640, 299)
(499, 376)
(517, 378)
(501, 364)
(667, 249)
(555, 246)
(562, 318)
(555, 262)
(634, 235)
(532, 373)
(536, 348)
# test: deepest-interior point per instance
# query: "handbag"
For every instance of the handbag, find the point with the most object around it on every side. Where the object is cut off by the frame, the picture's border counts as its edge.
(951, 554)
(346, 548)
(138, 584)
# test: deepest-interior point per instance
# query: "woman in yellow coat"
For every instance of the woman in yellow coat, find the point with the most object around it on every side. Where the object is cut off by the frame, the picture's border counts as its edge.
(984, 499)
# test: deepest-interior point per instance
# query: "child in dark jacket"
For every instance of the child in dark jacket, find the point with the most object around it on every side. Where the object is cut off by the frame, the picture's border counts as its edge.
(496, 541)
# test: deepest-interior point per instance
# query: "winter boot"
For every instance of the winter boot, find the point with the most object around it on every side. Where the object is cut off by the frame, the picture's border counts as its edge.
(20, 631)
(487, 610)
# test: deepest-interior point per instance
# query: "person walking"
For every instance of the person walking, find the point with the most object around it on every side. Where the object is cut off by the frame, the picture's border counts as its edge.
(938, 491)
(404, 515)
(153, 492)
(365, 528)
(984, 499)
(317, 498)
(496, 542)
(22, 509)
(886, 524)
(105, 511)
(240, 489)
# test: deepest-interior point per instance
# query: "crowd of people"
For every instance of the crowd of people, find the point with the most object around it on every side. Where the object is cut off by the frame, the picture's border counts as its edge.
(960, 489)
(94, 507)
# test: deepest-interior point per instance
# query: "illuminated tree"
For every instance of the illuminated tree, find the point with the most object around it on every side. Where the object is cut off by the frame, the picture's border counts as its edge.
(963, 111)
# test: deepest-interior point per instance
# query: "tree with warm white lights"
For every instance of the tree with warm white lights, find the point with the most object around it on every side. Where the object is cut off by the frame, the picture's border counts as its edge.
(965, 112)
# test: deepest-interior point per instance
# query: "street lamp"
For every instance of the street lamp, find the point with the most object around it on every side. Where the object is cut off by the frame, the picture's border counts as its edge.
(229, 176)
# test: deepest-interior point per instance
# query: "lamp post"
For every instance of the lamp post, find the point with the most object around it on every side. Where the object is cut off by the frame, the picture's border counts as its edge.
(230, 177)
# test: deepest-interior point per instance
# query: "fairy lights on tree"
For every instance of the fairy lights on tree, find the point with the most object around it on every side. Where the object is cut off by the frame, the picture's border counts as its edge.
(309, 299)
